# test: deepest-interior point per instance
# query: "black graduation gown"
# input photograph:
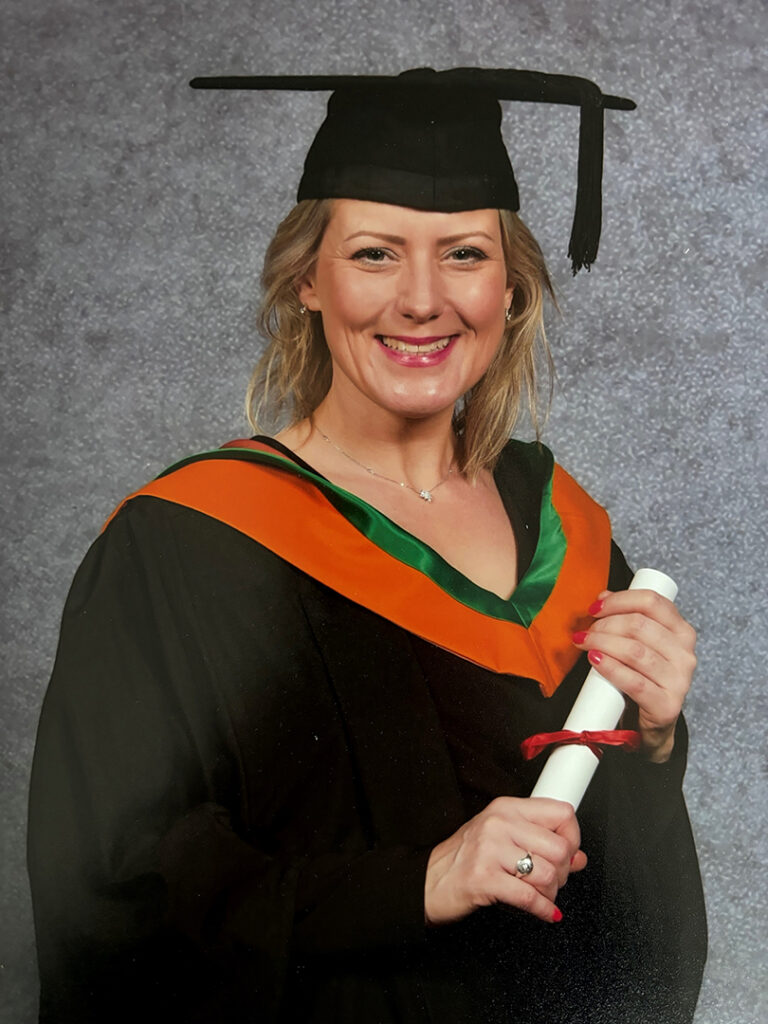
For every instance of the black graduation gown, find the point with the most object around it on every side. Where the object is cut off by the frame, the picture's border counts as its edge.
(240, 774)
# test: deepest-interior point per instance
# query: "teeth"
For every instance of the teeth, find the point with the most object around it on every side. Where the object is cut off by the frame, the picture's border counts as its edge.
(404, 346)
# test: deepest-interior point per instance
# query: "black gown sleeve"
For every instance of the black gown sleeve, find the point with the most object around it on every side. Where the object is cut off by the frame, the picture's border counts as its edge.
(653, 942)
(184, 746)
(147, 896)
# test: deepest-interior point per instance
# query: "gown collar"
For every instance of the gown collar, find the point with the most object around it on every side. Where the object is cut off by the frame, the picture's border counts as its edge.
(348, 545)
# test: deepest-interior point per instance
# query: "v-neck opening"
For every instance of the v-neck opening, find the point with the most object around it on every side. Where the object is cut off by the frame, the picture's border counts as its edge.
(525, 527)
(272, 504)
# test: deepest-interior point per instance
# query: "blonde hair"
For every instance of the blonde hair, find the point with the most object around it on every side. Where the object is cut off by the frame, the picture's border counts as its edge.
(294, 374)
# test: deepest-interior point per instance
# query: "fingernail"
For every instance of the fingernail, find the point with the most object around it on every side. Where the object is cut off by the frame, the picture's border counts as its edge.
(595, 607)
(580, 636)
(595, 657)
(557, 915)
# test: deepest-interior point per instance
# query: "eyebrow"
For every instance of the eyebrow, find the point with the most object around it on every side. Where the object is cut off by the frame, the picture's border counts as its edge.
(397, 240)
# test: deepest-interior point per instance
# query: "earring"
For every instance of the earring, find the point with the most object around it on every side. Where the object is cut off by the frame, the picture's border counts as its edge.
(302, 310)
(508, 314)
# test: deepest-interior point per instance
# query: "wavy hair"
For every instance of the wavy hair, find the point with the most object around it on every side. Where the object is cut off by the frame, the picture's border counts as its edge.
(294, 374)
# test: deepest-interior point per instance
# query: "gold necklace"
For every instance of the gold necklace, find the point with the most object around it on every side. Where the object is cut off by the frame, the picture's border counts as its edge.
(425, 493)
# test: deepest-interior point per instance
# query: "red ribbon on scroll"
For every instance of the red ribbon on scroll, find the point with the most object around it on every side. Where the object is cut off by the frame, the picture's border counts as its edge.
(596, 739)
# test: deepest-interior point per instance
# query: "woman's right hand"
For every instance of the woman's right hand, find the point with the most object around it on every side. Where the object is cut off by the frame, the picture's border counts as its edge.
(477, 865)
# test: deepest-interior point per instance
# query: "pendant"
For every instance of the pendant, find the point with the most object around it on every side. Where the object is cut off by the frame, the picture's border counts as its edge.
(426, 495)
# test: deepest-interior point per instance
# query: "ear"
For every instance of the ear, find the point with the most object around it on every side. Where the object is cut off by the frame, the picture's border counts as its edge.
(305, 289)
(507, 297)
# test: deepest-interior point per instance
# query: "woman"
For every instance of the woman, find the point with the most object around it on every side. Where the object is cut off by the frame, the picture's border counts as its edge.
(278, 772)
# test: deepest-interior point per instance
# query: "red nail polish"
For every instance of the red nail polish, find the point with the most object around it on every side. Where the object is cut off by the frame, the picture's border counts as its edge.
(595, 607)
(557, 915)
(595, 657)
(580, 636)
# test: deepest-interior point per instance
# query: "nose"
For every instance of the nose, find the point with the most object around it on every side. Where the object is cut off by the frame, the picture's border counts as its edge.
(420, 291)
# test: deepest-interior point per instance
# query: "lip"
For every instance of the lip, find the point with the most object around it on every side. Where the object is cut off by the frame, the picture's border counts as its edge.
(417, 360)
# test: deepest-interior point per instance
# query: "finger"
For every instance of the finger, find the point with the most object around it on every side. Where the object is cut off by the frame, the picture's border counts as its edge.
(544, 876)
(539, 823)
(568, 828)
(631, 652)
(659, 704)
(515, 893)
(543, 844)
(647, 631)
(646, 602)
(578, 861)
(551, 814)
(511, 823)
(647, 668)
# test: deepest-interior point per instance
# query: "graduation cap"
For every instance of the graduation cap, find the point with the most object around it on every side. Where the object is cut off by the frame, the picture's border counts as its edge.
(431, 140)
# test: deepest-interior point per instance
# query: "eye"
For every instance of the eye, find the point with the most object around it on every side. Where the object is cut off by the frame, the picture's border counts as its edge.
(467, 254)
(372, 254)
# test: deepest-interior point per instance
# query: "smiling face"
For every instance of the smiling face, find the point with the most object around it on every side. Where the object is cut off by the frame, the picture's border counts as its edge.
(412, 304)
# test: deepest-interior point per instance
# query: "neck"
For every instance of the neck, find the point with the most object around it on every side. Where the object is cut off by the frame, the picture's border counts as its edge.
(419, 451)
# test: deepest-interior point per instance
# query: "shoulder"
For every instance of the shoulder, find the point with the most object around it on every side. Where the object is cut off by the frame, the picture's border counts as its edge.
(535, 462)
(154, 550)
(531, 459)
(531, 469)
(225, 483)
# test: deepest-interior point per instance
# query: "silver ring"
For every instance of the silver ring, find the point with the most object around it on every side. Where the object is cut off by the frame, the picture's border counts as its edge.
(525, 865)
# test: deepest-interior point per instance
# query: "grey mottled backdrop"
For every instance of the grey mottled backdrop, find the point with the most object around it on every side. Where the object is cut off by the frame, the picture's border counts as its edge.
(136, 214)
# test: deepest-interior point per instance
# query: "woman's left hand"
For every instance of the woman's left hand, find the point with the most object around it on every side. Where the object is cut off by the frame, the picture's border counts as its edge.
(642, 645)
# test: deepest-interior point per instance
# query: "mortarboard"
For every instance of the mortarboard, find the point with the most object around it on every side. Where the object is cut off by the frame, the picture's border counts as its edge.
(431, 140)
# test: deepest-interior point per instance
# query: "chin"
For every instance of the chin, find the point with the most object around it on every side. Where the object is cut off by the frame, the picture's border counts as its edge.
(415, 408)
(422, 402)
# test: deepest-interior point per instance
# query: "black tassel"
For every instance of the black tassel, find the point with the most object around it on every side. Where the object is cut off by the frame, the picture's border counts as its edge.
(587, 216)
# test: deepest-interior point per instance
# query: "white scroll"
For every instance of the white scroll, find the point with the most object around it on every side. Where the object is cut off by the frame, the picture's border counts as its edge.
(599, 705)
